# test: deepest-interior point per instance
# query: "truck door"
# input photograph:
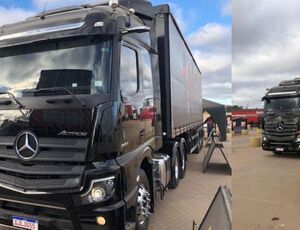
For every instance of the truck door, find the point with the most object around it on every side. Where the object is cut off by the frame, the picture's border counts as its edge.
(149, 109)
(132, 124)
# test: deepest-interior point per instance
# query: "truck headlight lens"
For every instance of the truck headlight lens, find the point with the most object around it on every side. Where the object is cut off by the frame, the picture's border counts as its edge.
(99, 190)
(98, 194)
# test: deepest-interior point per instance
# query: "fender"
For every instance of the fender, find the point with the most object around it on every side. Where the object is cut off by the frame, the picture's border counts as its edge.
(130, 164)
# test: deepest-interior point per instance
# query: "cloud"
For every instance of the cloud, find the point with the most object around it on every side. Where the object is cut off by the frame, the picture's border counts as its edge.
(213, 36)
(12, 14)
(212, 63)
(211, 45)
(265, 47)
(216, 75)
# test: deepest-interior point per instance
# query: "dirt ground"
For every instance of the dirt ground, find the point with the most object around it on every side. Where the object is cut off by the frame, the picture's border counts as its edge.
(266, 188)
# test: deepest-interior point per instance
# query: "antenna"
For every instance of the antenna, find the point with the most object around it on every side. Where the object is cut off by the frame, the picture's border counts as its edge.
(43, 13)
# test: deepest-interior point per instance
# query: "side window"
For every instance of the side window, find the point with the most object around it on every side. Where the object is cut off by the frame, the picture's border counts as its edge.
(128, 72)
(147, 72)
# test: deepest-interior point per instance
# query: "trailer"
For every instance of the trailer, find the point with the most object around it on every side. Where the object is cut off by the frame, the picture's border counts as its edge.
(100, 106)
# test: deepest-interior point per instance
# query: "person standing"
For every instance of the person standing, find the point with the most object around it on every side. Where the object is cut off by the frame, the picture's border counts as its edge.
(210, 125)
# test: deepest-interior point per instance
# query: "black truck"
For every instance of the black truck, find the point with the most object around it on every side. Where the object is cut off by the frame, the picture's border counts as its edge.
(99, 107)
(281, 118)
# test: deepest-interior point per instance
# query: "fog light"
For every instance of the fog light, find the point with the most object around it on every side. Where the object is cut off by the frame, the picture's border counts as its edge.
(101, 220)
(98, 194)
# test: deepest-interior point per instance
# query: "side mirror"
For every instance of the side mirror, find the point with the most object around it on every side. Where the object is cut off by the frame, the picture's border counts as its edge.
(265, 98)
(138, 29)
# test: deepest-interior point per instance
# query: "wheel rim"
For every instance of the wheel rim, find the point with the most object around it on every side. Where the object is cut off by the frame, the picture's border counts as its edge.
(143, 204)
(176, 169)
(183, 163)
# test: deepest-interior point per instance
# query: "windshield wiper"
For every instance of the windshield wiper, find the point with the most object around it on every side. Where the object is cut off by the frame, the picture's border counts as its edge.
(15, 100)
(57, 89)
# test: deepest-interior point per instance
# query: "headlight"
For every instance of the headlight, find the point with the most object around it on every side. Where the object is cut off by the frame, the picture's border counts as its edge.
(264, 138)
(99, 190)
(98, 194)
(298, 139)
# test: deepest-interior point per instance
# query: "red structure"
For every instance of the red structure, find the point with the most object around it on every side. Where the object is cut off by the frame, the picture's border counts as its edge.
(250, 114)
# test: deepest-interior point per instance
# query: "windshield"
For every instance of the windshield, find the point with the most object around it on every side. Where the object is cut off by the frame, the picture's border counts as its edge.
(75, 66)
(81, 65)
(279, 104)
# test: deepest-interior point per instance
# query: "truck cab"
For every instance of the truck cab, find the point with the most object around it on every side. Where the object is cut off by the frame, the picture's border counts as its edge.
(281, 118)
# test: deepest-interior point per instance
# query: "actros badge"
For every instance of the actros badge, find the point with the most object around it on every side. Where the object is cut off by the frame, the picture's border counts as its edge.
(26, 145)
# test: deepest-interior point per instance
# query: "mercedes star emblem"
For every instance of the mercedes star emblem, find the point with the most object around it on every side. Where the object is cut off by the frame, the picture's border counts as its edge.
(280, 126)
(26, 145)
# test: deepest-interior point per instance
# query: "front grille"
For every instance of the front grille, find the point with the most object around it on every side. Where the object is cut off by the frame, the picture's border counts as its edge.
(288, 132)
(57, 213)
(59, 165)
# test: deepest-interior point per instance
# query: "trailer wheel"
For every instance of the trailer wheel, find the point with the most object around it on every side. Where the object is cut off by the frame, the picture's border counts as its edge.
(143, 203)
(175, 169)
(183, 153)
(201, 141)
(199, 145)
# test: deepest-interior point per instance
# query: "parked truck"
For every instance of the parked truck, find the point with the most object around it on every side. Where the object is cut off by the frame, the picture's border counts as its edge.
(100, 106)
(281, 131)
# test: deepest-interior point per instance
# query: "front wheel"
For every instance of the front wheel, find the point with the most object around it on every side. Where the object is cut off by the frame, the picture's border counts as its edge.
(143, 203)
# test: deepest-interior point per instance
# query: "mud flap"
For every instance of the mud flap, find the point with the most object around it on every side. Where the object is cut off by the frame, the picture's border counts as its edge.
(219, 214)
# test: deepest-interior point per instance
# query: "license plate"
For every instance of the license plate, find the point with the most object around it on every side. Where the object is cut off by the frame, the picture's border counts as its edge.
(279, 149)
(25, 223)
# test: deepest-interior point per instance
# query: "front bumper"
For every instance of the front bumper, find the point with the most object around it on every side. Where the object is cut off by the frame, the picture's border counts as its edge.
(59, 211)
(292, 146)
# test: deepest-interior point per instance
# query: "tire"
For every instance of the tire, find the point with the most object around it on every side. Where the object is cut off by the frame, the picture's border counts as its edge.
(143, 201)
(199, 145)
(183, 155)
(175, 169)
(201, 141)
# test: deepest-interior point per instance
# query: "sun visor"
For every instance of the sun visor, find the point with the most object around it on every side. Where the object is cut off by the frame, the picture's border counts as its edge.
(287, 91)
(84, 22)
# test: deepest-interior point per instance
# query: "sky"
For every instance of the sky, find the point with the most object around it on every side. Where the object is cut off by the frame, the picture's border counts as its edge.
(266, 48)
(206, 25)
